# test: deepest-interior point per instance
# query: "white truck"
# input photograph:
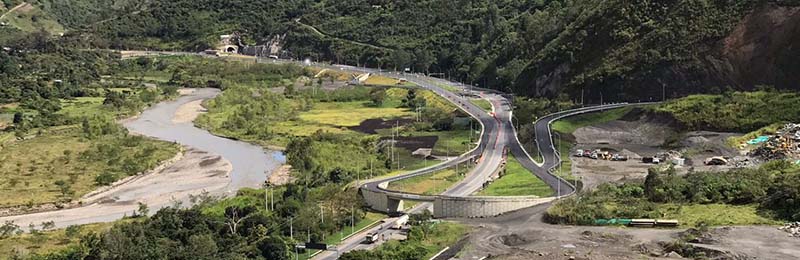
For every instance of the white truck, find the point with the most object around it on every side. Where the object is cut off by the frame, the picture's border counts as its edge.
(400, 222)
(372, 237)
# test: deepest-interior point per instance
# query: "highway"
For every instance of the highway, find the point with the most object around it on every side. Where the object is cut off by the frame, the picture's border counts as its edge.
(497, 134)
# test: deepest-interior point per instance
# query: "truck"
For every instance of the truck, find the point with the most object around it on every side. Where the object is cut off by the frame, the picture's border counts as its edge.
(400, 222)
(372, 237)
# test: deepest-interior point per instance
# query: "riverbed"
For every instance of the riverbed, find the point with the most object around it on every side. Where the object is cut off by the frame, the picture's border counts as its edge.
(251, 164)
(211, 164)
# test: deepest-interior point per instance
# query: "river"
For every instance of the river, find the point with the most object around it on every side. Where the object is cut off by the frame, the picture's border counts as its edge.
(212, 164)
(251, 163)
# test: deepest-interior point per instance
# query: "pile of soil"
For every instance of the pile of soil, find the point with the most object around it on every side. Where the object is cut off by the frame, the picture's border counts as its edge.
(636, 127)
(370, 126)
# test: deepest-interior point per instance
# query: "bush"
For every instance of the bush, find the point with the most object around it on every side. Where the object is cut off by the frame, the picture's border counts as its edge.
(105, 178)
(775, 185)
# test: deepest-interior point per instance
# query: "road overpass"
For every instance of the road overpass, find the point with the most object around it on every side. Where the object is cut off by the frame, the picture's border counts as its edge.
(497, 135)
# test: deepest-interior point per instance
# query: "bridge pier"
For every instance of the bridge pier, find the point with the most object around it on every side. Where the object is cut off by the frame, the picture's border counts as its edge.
(381, 202)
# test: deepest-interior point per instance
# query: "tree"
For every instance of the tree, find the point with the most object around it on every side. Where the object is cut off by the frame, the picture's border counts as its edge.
(143, 210)
(273, 247)
(65, 188)
(8, 228)
(412, 101)
(234, 215)
(47, 225)
(377, 96)
(105, 178)
(401, 59)
(18, 119)
(72, 231)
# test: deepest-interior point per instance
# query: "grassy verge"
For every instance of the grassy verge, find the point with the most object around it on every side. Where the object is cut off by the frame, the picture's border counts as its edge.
(369, 219)
(386, 81)
(691, 215)
(482, 103)
(742, 140)
(434, 183)
(425, 241)
(31, 169)
(517, 181)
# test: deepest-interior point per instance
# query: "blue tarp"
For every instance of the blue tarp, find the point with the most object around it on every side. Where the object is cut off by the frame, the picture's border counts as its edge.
(759, 140)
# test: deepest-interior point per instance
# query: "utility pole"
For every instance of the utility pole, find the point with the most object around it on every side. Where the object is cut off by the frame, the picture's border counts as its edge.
(352, 220)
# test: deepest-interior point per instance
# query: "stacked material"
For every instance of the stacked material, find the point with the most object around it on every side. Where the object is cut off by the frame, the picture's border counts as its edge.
(792, 228)
(776, 148)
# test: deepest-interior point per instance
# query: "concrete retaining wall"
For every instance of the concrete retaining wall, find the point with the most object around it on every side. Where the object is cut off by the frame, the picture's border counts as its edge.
(457, 207)
(482, 206)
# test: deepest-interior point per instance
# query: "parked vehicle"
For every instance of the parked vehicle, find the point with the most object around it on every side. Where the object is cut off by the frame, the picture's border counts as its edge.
(579, 153)
(619, 157)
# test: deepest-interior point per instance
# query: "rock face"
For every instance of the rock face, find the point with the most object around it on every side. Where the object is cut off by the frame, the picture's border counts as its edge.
(764, 49)
(759, 45)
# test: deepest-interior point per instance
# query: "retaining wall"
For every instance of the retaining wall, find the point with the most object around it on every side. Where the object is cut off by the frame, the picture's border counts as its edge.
(482, 206)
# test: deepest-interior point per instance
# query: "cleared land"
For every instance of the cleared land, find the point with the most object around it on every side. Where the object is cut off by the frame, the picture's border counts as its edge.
(517, 181)
(29, 18)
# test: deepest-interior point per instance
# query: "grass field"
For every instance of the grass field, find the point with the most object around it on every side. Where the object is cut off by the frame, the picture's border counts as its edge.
(517, 181)
(386, 81)
(49, 241)
(350, 113)
(84, 106)
(29, 18)
(434, 183)
(482, 103)
(570, 124)
(716, 215)
(29, 169)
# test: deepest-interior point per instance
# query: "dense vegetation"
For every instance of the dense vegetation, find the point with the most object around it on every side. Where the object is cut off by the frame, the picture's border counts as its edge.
(734, 111)
(242, 228)
(58, 130)
(772, 188)
(627, 50)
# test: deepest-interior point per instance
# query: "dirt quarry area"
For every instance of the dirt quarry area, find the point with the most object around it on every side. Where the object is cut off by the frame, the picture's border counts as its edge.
(522, 235)
(638, 136)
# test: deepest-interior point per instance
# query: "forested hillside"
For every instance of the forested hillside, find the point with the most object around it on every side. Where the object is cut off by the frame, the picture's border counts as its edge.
(617, 49)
